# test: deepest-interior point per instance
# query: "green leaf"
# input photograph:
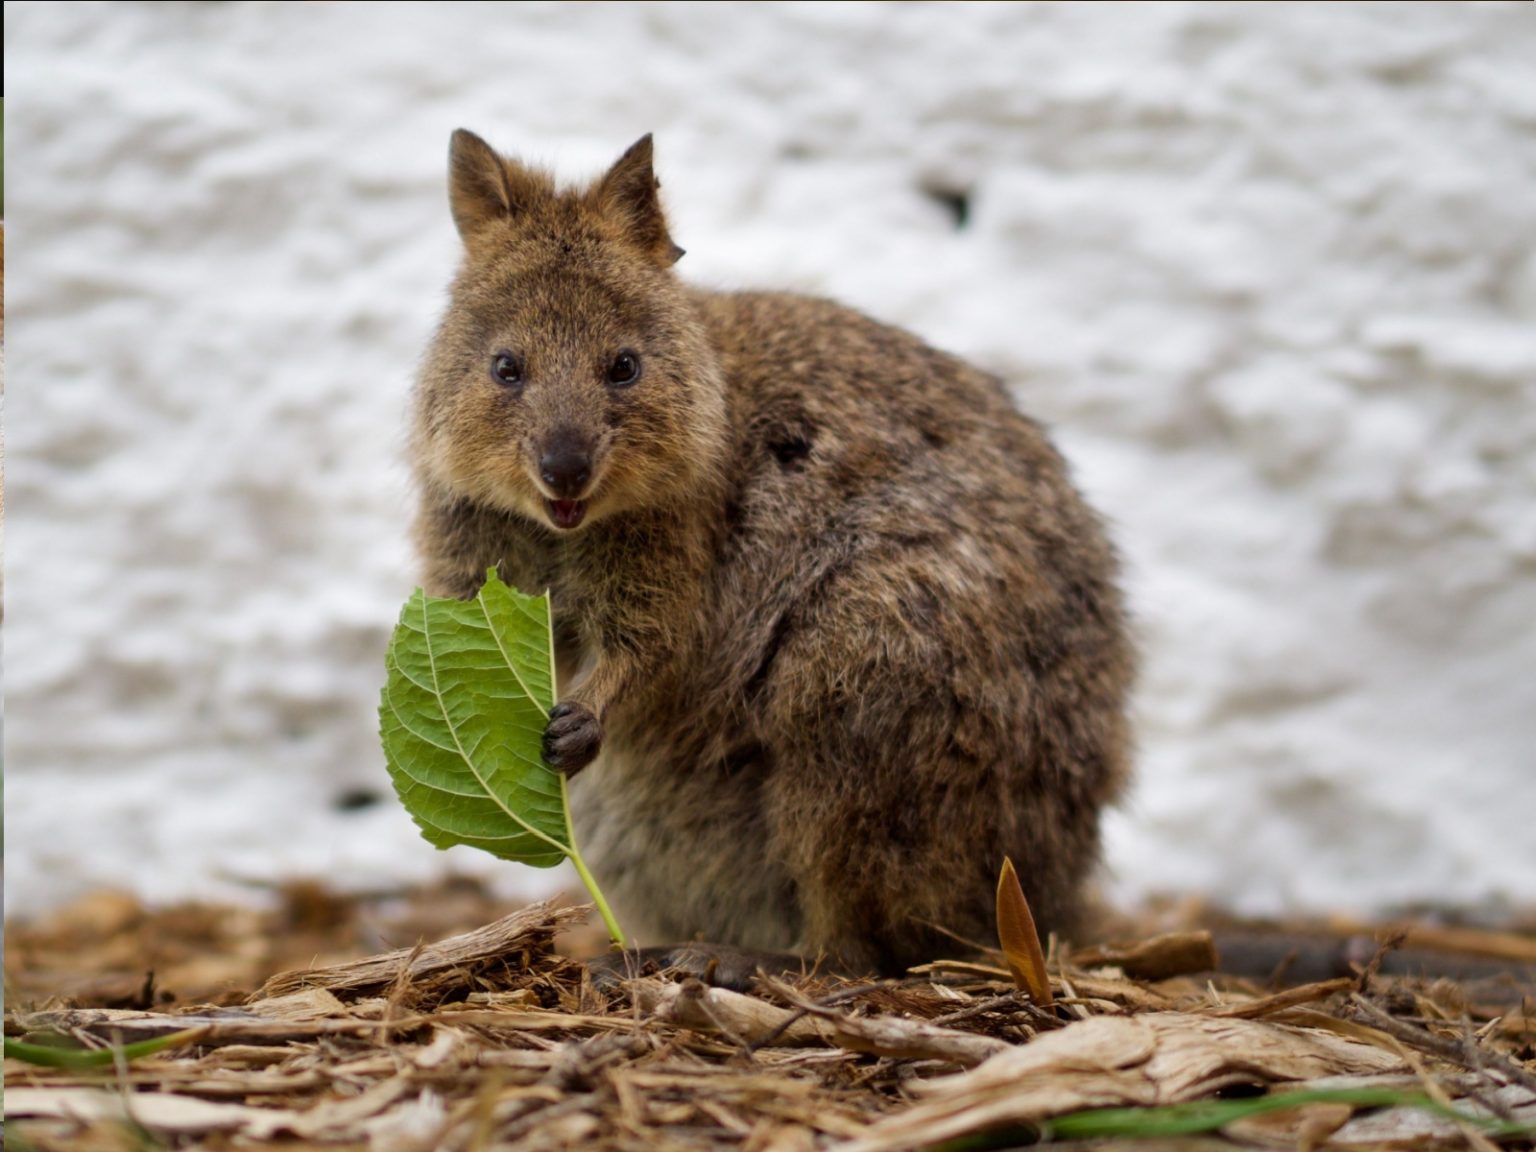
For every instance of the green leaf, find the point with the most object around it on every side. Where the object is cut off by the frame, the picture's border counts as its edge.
(469, 688)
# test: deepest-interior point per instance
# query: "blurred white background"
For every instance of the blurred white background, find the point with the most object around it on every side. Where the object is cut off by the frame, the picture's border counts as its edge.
(1268, 270)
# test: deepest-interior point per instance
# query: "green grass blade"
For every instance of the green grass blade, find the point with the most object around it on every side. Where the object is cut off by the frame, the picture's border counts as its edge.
(1196, 1116)
(50, 1056)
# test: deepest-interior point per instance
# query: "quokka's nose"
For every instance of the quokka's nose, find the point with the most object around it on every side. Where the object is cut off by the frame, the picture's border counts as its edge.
(566, 467)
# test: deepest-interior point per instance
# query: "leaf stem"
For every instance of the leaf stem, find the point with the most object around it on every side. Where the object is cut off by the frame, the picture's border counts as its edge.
(581, 870)
(614, 931)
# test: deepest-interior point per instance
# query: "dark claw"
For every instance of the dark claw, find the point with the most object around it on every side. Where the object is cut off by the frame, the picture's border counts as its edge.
(718, 965)
(572, 738)
(610, 970)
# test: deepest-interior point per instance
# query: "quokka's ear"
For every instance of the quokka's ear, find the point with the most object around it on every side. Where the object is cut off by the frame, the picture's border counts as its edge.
(484, 188)
(627, 195)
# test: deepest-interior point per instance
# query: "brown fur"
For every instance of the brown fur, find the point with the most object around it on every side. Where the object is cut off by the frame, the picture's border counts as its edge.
(846, 630)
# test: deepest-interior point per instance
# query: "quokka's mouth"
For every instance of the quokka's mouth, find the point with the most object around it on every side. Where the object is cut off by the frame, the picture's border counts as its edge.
(566, 514)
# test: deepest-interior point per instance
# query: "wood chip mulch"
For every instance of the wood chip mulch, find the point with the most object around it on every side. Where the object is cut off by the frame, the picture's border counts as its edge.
(467, 1030)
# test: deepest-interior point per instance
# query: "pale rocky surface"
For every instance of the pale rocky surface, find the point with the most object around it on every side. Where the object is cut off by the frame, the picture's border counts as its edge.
(1269, 271)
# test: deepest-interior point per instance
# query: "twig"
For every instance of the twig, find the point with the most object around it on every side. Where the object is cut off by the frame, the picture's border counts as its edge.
(1473, 1057)
(1427, 1041)
(801, 1010)
(895, 1036)
(1435, 1092)
(990, 1004)
(1290, 998)
(744, 1019)
(1390, 942)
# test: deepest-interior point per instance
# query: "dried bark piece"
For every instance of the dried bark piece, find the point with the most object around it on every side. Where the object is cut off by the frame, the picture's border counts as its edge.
(529, 930)
(1113, 1061)
(1171, 954)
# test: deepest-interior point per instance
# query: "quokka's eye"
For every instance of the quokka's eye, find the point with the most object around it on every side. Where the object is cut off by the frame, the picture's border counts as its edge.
(507, 370)
(625, 369)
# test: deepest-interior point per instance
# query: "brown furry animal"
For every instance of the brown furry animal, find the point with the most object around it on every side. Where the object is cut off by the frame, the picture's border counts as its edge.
(830, 608)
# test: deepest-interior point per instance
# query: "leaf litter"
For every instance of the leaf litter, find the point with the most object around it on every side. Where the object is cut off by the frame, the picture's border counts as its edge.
(292, 1027)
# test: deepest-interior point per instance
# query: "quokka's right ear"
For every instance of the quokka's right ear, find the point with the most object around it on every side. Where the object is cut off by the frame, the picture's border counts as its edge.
(627, 195)
(485, 189)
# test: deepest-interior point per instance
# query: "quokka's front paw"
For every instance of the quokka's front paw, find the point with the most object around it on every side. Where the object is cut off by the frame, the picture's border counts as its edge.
(572, 738)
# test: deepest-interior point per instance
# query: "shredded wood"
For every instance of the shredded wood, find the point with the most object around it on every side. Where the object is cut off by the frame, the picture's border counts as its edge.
(512, 940)
(469, 1029)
